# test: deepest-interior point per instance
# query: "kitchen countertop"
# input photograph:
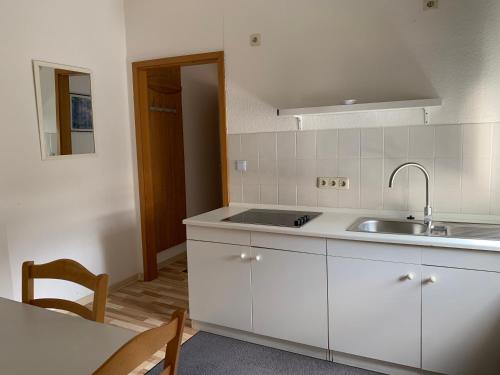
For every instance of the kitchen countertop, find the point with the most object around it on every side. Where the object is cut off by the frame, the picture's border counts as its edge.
(333, 225)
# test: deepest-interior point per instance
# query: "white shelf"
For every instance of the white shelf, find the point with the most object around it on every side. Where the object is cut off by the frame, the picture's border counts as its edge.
(362, 107)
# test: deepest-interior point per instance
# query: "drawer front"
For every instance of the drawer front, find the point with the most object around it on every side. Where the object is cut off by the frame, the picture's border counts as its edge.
(310, 245)
(457, 258)
(229, 236)
(374, 251)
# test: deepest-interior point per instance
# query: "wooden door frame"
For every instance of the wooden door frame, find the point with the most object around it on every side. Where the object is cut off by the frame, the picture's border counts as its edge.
(139, 72)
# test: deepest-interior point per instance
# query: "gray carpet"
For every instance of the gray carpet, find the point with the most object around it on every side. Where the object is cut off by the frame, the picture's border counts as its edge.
(209, 354)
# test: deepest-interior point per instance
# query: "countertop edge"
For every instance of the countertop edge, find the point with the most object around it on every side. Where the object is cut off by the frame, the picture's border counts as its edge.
(439, 242)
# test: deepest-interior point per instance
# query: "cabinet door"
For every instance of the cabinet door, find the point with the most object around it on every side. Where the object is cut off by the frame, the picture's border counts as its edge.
(219, 284)
(460, 321)
(374, 309)
(290, 296)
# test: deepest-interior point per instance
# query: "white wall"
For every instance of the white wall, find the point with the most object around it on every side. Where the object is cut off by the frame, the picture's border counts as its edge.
(200, 121)
(82, 207)
(322, 51)
(5, 274)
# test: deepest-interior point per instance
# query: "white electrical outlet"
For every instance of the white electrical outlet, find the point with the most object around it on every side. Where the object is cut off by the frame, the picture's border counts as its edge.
(430, 4)
(332, 183)
(323, 182)
(343, 183)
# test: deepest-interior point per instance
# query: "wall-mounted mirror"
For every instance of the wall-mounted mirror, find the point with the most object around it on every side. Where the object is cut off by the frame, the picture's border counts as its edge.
(64, 103)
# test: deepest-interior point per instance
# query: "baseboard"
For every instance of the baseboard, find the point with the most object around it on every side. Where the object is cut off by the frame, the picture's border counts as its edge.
(373, 364)
(262, 340)
(112, 288)
(337, 357)
(170, 255)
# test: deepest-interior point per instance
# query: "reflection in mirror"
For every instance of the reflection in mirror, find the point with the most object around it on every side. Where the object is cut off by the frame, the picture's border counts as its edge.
(64, 104)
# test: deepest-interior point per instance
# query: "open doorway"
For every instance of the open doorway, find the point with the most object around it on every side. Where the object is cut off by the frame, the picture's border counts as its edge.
(181, 147)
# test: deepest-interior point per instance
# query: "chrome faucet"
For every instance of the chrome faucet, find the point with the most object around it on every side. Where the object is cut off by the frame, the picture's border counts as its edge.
(427, 208)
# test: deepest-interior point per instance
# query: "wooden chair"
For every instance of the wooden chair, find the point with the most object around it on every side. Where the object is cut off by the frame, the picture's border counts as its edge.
(144, 345)
(68, 270)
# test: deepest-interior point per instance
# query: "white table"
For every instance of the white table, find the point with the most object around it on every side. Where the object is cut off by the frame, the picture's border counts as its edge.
(43, 342)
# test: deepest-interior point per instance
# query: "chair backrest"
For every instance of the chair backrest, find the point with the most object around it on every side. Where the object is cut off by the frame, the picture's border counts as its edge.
(68, 270)
(143, 346)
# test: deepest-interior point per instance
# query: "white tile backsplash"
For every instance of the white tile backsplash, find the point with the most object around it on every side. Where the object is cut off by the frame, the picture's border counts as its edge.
(477, 140)
(326, 167)
(350, 168)
(371, 184)
(349, 143)
(236, 192)
(372, 143)
(286, 145)
(287, 172)
(447, 185)
(306, 172)
(283, 166)
(251, 175)
(250, 146)
(328, 198)
(287, 195)
(251, 193)
(307, 196)
(234, 146)
(476, 173)
(267, 146)
(269, 194)
(234, 175)
(496, 141)
(306, 145)
(268, 171)
(495, 186)
(396, 142)
(421, 142)
(448, 141)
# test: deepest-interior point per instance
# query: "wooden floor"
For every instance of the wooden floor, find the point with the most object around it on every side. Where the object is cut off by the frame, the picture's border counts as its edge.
(143, 305)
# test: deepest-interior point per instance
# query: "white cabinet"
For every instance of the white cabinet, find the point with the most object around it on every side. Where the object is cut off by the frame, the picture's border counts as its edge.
(371, 301)
(290, 296)
(220, 284)
(374, 309)
(460, 321)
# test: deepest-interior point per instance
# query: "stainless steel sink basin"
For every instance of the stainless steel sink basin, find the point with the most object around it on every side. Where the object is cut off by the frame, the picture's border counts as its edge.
(417, 228)
(388, 226)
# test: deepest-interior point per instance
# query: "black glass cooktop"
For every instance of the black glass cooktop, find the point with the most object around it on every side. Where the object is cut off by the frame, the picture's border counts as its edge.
(279, 218)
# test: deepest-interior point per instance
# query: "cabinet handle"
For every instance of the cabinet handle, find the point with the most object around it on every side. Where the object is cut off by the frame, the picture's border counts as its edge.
(243, 256)
(258, 258)
(410, 276)
(431, 279)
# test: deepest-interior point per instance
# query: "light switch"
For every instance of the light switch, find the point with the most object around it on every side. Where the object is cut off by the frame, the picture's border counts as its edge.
(241, 165)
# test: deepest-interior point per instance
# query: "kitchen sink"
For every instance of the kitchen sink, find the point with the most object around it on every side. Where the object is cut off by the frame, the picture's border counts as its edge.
(372, 225)
(438, 228)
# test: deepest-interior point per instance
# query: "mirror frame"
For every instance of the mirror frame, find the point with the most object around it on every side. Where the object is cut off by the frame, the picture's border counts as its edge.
(37, 64)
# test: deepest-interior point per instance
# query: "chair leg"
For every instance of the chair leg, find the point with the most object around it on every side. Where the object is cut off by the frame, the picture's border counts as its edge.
(173, 347)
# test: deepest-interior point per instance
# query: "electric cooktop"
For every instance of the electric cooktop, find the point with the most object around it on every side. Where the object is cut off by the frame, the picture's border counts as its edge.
(279, 218)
